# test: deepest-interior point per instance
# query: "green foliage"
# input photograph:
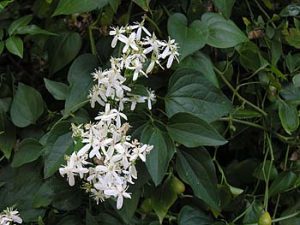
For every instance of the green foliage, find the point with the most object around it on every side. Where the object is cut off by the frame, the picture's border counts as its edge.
(235, 90)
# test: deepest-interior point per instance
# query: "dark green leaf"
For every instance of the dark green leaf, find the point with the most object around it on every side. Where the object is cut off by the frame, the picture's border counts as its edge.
(29, 150)
(7, 135)
(58, 90)
(189, 91)
(283, 182)
(202, 64)
(224, 6)
(79, 77)
(55, 158)
(1, 47)
(196, 168)
(14, 45)
(222, 33)
(144, 4)
(163, 149)
(192, 131)
(62, 49)
(27, 106)
(190, 38)
(263, 169)
(5, 104)
(292, 37)
(67, 7)
(288, 115)
(191, 216)
(163, 198)
(20, 186)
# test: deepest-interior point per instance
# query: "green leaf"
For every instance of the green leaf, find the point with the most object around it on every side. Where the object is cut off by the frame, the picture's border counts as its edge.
(283, 182)
(68, 7)
(62, 49)
(5, 104)
(264, 168)
(4, 3)
(254, 211)
(144, 4)
(14, 45)
(163, 149)
(163, 198)
(57, 89)
(32, 30)
(192, 131)
(190, 38)
(55, 158)
(79, 77)
(296, 80)
(202, 63)
(288, 115)
(7, 135)
(224, 6)
(27, 106)
(1, 47)
(28, 151)
(21, 22)
(222, 33)
(189, 91)
(20, 186)
(292, 37)
(191, 216)
(295, 208)
(196, 168)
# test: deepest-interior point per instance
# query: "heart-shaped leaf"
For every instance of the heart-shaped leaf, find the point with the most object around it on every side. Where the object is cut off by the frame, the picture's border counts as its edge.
(190, 38)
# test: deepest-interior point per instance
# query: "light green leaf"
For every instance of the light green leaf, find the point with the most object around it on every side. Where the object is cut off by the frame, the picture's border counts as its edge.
(163, 149)
(189, 91)
(191, 216)
(144, 4)
(292, 37)
(32, 30)
(79, 77)
(190, 38)
(27, 106)
(222, 33)
(14, 45)
(191, 131)
(296, 80)
(288, 115)
(28, 151)
(21, 22)
(62, 49)
(4, 3)
(224, 6)
(68, 7)
(57, 89)
(55, 158)
(196, 168)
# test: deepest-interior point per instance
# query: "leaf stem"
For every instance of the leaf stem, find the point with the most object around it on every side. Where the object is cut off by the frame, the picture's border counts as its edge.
(237, 94)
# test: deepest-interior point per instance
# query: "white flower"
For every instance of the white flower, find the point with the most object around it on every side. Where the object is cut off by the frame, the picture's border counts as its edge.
(116, 32)
(130, 42)
(120, 193)
(139, 28)
(10, 216)
(150, 98)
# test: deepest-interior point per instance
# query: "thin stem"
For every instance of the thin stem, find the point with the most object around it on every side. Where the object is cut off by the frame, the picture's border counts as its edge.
(237, 94)
(243, 122)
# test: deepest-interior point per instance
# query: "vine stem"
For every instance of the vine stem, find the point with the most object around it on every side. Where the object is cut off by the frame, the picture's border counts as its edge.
(237, 94)
(280, 218)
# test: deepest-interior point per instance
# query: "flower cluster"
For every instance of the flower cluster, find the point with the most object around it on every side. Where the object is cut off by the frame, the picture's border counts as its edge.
(139, 57)
(10, 216)
(106, 161)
